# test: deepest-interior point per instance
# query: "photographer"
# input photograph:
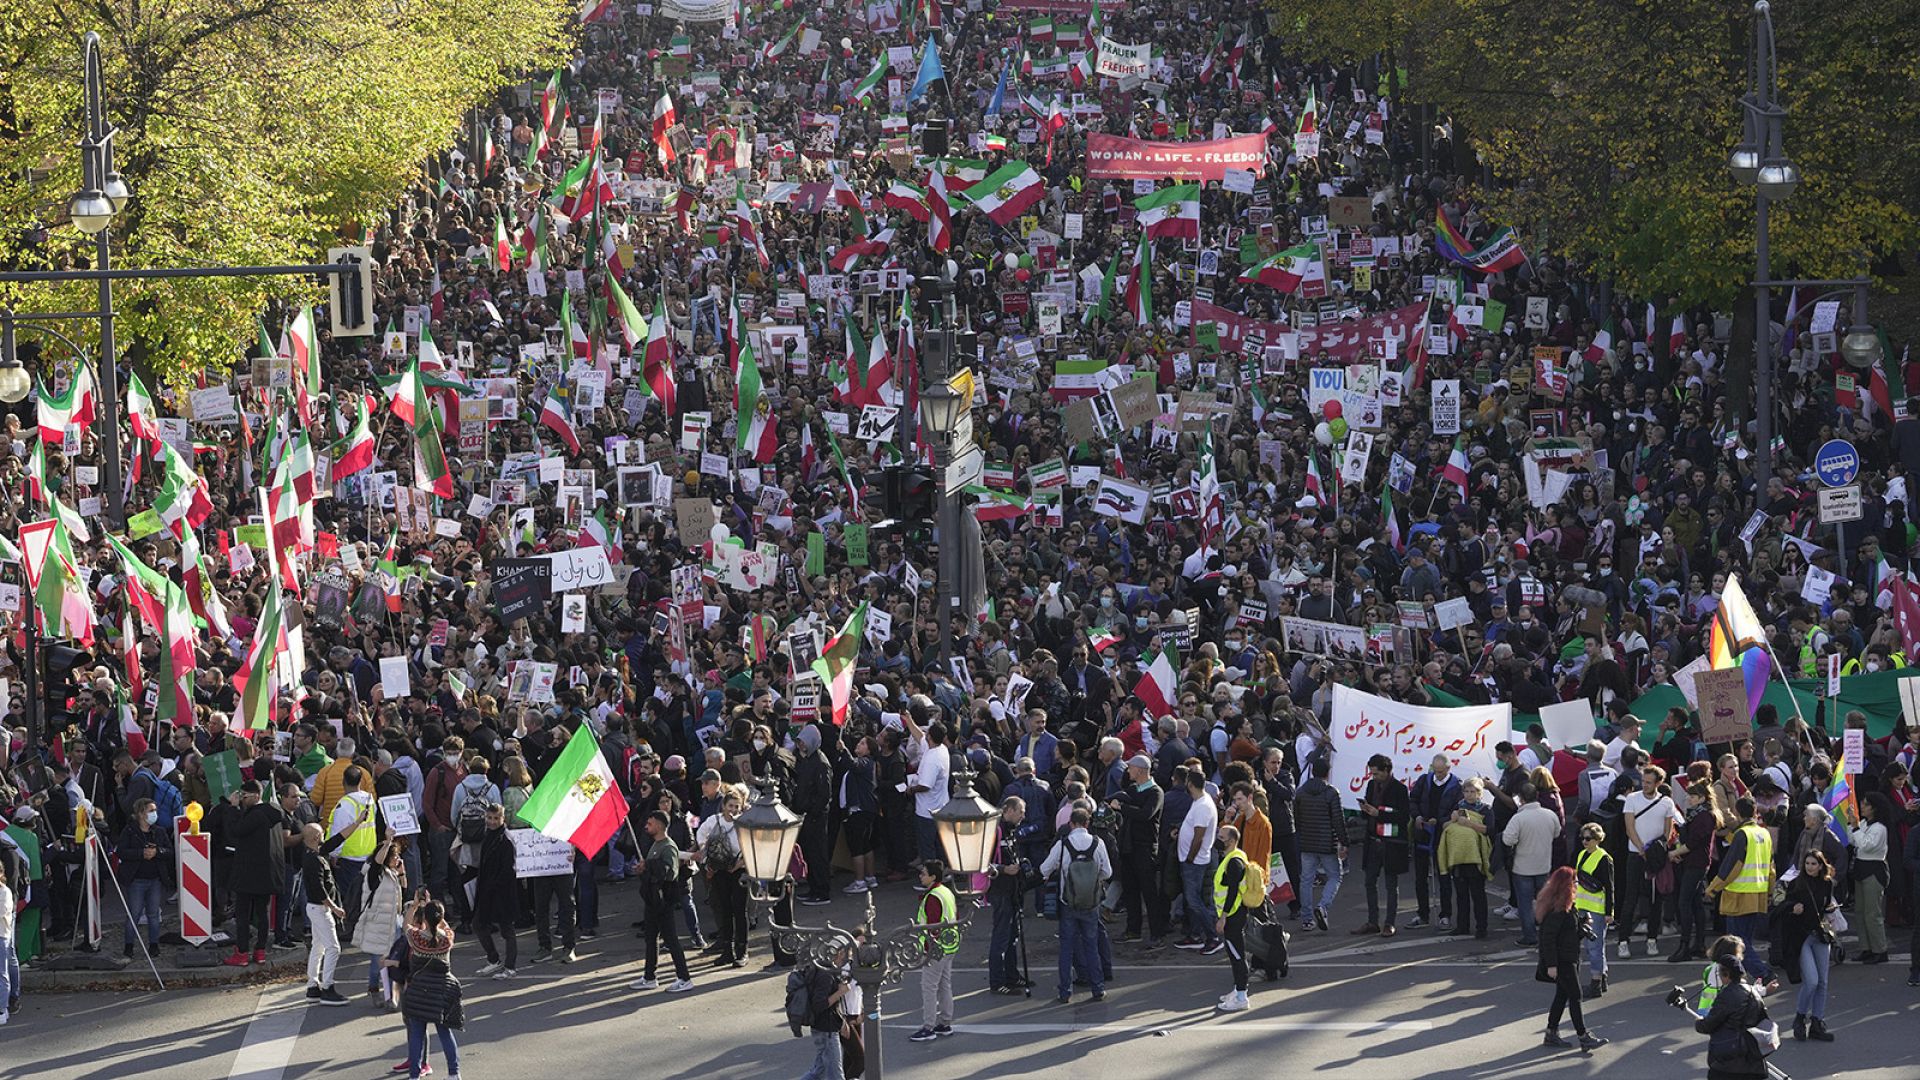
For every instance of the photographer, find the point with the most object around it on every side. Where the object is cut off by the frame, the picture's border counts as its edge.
(1006, 892)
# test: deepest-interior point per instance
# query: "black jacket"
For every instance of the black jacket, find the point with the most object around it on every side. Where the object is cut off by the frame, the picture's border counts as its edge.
(133, 844)
(1729, 1053)
(1140, 820)
(813, 784)
(316, 869)
(496, 895)
(1560, 939)
(1316, 811)
(260, 850)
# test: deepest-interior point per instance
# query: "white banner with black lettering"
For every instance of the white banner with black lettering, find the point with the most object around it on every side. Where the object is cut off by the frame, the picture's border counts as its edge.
(1410, 735)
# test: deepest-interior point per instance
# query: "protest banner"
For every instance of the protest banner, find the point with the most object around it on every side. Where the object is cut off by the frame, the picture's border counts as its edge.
(1115, 157)
(1410, 736)
(536, 854)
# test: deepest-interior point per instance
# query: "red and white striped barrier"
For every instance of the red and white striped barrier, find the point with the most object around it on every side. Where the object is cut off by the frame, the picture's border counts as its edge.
(194, 852)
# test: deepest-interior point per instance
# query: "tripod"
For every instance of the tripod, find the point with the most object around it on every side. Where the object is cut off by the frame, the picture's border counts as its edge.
(1020, 933)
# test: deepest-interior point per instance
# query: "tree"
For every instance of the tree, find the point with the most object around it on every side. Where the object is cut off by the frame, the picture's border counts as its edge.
(1609, 125)
(251, 132)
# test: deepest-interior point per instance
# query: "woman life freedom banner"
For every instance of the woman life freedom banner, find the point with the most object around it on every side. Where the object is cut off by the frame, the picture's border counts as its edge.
(1364, 725)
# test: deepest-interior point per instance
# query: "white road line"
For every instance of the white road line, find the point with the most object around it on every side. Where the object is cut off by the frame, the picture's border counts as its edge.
(1176, 1024)
(271, 1034)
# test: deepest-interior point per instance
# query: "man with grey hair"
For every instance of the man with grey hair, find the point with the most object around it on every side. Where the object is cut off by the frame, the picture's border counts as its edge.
(1596, 781)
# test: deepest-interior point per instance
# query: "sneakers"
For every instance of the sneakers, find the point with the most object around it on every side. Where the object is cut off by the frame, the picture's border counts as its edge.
(1590, 1042)
(284, 944)
(925, 1034)
(1234, 1002)
(542, 956)
(1510, 913)
(943, 1029)
(856, 888)
(1417, 922)
(426, 1067)
(1320, 918)
(1624, 952)
(680, 986)
(873, 883)
(816, 901)
(643, 984)
(330, 996)
(1190, 944)
(1504, 911)
(505, 973)
(1446, 925)
(1213, 946)
(238, 959)
(569, 956)
(1154, 944)
(493, 967)
(259, 956)
(313, 993)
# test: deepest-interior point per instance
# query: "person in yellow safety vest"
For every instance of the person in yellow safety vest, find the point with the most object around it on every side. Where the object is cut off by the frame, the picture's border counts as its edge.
(1230, 922)
(353, 816)
(1744, 884)
(1813, 641)
(936, 978)
(1877, 658)
(1593, 894)
(1710, 980)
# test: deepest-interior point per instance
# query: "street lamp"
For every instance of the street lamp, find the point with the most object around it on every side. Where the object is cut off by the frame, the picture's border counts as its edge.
(1861, 345)
(103, 192)
(967, 827)
(1760, 159)
(940, 410)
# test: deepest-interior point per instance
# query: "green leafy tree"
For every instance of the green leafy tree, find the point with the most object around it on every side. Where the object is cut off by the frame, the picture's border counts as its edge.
(251, 132)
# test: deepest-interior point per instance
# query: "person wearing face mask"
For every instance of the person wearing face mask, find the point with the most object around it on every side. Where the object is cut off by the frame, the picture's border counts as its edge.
(145, 851)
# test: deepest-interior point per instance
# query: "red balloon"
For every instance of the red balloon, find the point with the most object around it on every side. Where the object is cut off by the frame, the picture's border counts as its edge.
(1330, 410)
(1022, 274)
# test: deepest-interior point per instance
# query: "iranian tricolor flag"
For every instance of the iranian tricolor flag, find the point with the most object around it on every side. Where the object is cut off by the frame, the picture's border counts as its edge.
(253, 683)
(182, 499)
(1103, 638)
(595, 532)
(633, 326)
(557, 417)
(1173, 212)
(502, 247)
(355, 452)
(576, 334)
(176, 661)
(1159, 684)
(1391, 520)
(746, 392)
(1008, 193)
(71, 409)
(836, 662)
(46, 554)
(1140, 285)
(657, 370)
(578, 800)
(849, 258)
(1102, 309)
(995, 505)
(874, 78)
(912, 198)
(1602, 343)
(662, 120)
(1455, 470)
(939, 212)
(1285, 271)
(143, 416)
(1309, 115)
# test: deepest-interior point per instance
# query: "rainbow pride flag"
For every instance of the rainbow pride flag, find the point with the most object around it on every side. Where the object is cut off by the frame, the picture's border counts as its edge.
(1738, 640)
(1838, 801)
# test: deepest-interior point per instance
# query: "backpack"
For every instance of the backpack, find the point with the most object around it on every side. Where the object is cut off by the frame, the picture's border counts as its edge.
(1080, 881)
(167, 800)
(1253, 886)
(471, 826)
(799, 1001)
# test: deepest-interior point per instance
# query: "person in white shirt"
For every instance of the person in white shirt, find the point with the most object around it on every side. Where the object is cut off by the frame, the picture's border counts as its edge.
(1650, 815)
(1538, 752)
(929, 787)
(1193, 847)
(1629, 736)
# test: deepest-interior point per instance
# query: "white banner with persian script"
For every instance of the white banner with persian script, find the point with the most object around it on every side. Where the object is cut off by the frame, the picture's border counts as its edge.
(697, 10)
(1410, 735)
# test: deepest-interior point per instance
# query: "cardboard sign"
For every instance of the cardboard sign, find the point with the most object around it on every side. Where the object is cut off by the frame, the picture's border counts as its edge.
(1723, 705)
(536, 854)
(520, 586)
(694, 518)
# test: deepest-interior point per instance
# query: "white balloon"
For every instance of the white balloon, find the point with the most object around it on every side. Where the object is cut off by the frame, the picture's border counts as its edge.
(1323, 434)
(719, 532)
(1010, 261)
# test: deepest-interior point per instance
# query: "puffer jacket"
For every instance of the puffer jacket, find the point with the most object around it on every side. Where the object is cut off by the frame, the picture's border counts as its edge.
(1316, 812)
(432, 993)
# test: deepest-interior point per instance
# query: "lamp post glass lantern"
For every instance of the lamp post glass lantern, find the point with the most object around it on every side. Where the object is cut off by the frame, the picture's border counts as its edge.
(940, 409)
(966, 825)
(767, 832)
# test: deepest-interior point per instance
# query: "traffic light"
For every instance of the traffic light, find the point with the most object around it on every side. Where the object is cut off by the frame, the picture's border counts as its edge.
(350, 295)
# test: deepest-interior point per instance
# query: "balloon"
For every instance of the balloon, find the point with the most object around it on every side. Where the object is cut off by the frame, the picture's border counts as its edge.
(1026, 261)
(1022, 274)
(1331, 409)
(1338, 426)
(1323, 434)
(720, 532)
(1010, 261)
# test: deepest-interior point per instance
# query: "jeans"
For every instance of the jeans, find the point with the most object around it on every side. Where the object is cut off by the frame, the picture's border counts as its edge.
(728, 898)
(417, 1047)
(1525, 888)
(1003, 956)
(440, 863)
(936, 991)
(1196, 885)
(1376, 863)
(1747, 928)
(1469, 899)
(1140, 893)
(1312, 865)
(926, 839)
(9, 972)
(586, 894)
(1815, 958)
(1079, 946)
(324, 953)
(826, 1057)
(1597, 947)
(1288, 845)
(144, 900)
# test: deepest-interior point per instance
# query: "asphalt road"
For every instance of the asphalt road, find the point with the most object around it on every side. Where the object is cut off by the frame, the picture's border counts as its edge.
(1413, 1006)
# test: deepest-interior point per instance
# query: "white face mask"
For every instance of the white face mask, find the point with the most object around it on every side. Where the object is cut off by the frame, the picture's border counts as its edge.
(759, 744)
(153, 817)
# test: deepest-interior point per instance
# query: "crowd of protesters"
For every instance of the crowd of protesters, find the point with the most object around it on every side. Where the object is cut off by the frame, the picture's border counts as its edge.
(1598, 590)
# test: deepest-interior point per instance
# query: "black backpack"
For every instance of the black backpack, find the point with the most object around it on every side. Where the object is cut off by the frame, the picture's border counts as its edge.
(1080, 878)
(472, 823)
(799, 1001)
